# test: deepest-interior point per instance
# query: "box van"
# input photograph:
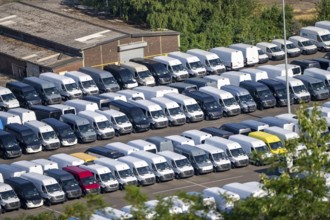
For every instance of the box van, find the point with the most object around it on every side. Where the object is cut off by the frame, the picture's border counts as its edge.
(197, 136)
(234, 151)
(217, 156)
(121, 147)
(217, 132)
(9, 147)
(143, 145)
(43, 112)
(135, 115)
(243, 98)
(175, 67)
(141, 73)
(236, 77)
(274, 71)
(305, 45)
(103, 176)
(191, 62)
(84, 82)
(263, 57)
(172, 110)
(319, 36)
(188, 105)
(297, 88)
(26, 138)
(7, 171)
(315, 87)
(45, 164)
(7, 99)
(210, 61)
(236, 128)
(46, 90)
(295, 69)
(63, 131)
(85, 178)
(48, 188)
(273, 143)
(260, 93)
(272, 50)
(46, 133)
(200, 82)
(28, 166)
(65, 109)
(9, 118)
(87, 158)
(232, 59)
(209, 105)
(278, 90)
(66, 180)
(102, 103)
(250, 53)
(67, 87)
(26, 192)
(255, 125)
(162, 144)
(158, 164)
(305, 64)
(219, 80)
(259, 154)
(153, 112)
(104, 152)
(25, 94)
(224, 199)
(82, 105)
(291, 49)
(64, 160)
(225, 99)
(24, 114)
(118, 121)
(274, 121)
(113, 96)
(157, 91)
(8, 198)
(244, 191)
(183, 87)
(121, 171)
(103, 79)
(81, 128)
(140, 169)
(319, 74)
(180, 140)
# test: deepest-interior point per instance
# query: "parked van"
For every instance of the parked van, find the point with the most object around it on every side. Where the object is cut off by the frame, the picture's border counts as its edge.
(236, 128)
(84, 82)
(263, 57)
(305, 64)
(28, 166)
(225, 99)
(250, 53)
(232, 59)
(9, 147)
(236, 77)
(64, 160)
(7, 171)
(219, 80)
(274, 121)
(174, 66)
(178, 140)
(126, 149)
(274, 71)
(67, 87)
(292, 118)
(319, 74)
(46, 133)
(191, 62)
(132, 94)
(244, 191)
(315, 87)
(24, 114)
(46, 90)
(162, 144)
(255, 74)
(210, 61)
(283, 134)
(140, 169)
(65, 109)
(188, 105)
(7, 99)
(200, 82)
(118, 121)
(272, 50)
(48, 188)
(278, 90)
(9, 118)
(224, 199)
(143, 145)
(25, 94)
(82, 105)
(87, 158)
(217, 132)
(141, 73)
(43, 112)
(305, 45)
(319, 36)
(255, 125)
(81, 128)
(323, 24)
(183, 87)
(102, 103)
(234, 151)
(104, 152)
(273, 143)
(8, 198)
(113, 96)
(291, 49)
(112, 213)
(103, 79)
(45, 164)
(295, 69)
(324, 63)
(197, 136)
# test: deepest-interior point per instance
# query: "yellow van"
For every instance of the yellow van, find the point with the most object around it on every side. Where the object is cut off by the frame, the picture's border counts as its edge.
(87, 158)
(273, 142)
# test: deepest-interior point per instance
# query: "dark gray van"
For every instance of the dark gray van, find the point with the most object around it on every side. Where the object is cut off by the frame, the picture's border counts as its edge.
(236, 128)
(25, 94)
(278, 90)
(9, 147)
(243, 98)
(217, 132)
(124, 77)
(305, 64)
(103, 103)
(43, 112)
(162, 144)
(324, 63)
(183, 87)
(104, 152)
(315, 87)
(46, 90)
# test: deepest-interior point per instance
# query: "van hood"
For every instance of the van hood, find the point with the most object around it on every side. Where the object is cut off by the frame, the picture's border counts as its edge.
(11, 104)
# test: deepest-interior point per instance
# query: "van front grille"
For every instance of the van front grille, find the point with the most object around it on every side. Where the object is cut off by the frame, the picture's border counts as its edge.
(244, 162)
(14, 204)
(225, 166)
(169, 176)
(188, 172)
(150, 180)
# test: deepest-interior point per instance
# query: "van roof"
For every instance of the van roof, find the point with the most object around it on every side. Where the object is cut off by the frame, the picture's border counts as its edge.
(216, 131)
(55, 123)
(40, 177)
(199, 95)
(194, 132)
(43, 161)
(242, 45)
(195, 150)
(266, 137)
(148, 155)
(271, 82)
(252, 84)
(140, 142)
(172, 155)
(77, 74)
(10, 168)
(151, 106)
(59, 172)
(132, 64)
(38, 124)
(209, 148)
(78, 170)
(83, 156)
(103, 151)
(114, 96)
(245, 138)
(95, 70)
(111, 162)
(72, 117)
(298, 38)
(165, 101)
(112, 112)
(279, 130)
(235, 89)
(35, 80)
(167, 59)
(183, 55)
(18, 180)
(96, 168)
(179, 97)
(130, 159)
(56, 76)
(316, 29)
(19, 127)
(177, 138)
(121, 145)
(223, 141)
(4, 90)
(290, 79)
(20, 84)
(65, 157)
(266, 44)
(281, 41)
(92, 114)
(308, 79)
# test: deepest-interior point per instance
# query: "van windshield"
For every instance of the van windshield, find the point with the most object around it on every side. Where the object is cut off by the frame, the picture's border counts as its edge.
(8, 194)
(175, 111)
(264, 93)
(48, 135)
(125, 173)
(318, 86)
(275, 49)
(229, 102)
(30, 192)
(307, 43)
(281, 92)
(103, 125)
(66, 132)
(325, 37)
(211, 106)
(178, 68)
(162, 166)
(261, 52)
(182, 163)
(53, 188)
(107, 177)
(299, 89)
(50, 91)
(219, 156)
(193, 107)
(160, 70)
(195, 65)
(85, 128)
(246, 98)
(237, 152)
(275, 145)
(88, 180)
(109, 80)
(121, 119)
(72, 86)
(88, 84)
(143, 170)
(31, 94)
(215, 62)
(8, 97)
(8, 141)
(144, 74)
(201, 159)
(290, 46)
(69, 184)
(262, 149)
(138, 116)
(157, 114)
(30, 138)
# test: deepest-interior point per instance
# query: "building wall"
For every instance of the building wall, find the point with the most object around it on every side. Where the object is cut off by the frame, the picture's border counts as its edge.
(70, 66)
(9, 64)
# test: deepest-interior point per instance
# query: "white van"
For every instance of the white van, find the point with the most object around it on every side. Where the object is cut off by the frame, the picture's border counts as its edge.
(132, 94)
(64, 160)
(263, 57)
(191, 62)
(225, 99)
(255, 125)
(171, 109)
(180, 140)
(8, 171)
(65, 109)
(210, 61)
(113, 96)
(292, 118)
(244, 191)
(9, 118)
(272, 50)
(141, 73)
(305, 45)
(177, 70)
(224, 199)
(157, 91)
(24, 114)
(323, 24)
(7, 99)
(45, 164)
(188, 105)
(274, 121)
(67, 87)
(158, 164)
(121, 147)
(255, 74)
(141, 170)
(100, 123)
(121, 171)
(82, 105)
(283, 134)
(103, 176)
(153, 112)
(118, 121)
(319, 36)
(219, 80)
(291, 49)
(317, 73)
(48, 188)
(231, 58)
(28, 166)
(250, 53)
(236, 78)
(143, 145)
(324, 110)
(113, 214)
(274, 71)
(197, 136)
(234, 151)
(8, 198)
(46, 133)
(294, 69)
(84, 81)
(179, 163)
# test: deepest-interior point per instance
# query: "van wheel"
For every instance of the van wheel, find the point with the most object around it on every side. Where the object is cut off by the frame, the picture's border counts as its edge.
(47, 202)
(152, 126)
(188, 120)
(117, 133)
(225, 114)
(157, 179)
(98, 137)
(207, 118)
(177, 176)
(197, 172)
(258, 163)
(121, 187)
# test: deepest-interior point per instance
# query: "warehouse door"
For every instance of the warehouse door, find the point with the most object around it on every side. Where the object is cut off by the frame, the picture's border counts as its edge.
(132, 50)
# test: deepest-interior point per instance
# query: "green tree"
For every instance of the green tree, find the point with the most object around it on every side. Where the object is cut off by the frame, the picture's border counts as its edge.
(323, 10)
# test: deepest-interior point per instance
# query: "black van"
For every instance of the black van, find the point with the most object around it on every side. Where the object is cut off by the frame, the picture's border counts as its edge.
(210, 107)
(9, 147)
(324, 63)
(26, 138)
(124, 77)
(68, 183)
(136, 116)
(236, 128)
(305, 64)
(200, 82)
(26, 192)
(261, 94)
(217, 132)
(43, 112)
(183, 87)
(158, 70)
(104, 152)
(103, 103)
(25, 94)
(62, 130)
